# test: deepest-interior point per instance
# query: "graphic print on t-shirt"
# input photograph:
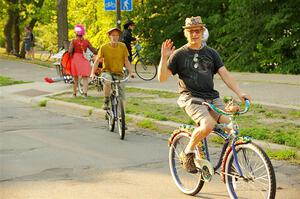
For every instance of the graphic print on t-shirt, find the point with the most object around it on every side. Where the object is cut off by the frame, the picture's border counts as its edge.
(202, 63)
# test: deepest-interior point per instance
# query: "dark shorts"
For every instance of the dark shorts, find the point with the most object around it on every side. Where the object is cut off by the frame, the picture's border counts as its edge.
(194, 108)
(27, 46)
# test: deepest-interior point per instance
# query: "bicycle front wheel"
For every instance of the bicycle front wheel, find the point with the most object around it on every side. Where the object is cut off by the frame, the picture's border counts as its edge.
(188, 183)
(110, 115)
(146, 70)
(121, 119)
(258, 180)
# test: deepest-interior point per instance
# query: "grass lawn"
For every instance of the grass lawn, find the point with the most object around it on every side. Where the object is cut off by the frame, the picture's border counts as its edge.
(37, 59)
(263, 123)
(6, 81)
(274, 125)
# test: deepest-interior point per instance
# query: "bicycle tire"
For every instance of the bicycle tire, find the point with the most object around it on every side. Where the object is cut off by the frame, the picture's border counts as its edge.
(179, 174)
(80, 85)
(121, 118)
(145, 70)
(110, 116)
(45, 55)
(251, 166)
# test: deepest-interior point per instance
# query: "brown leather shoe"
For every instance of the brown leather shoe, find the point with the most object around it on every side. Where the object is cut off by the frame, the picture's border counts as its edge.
(187, 161)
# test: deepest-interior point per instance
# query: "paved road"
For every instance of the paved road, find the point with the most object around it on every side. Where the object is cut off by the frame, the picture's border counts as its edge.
(49, 155)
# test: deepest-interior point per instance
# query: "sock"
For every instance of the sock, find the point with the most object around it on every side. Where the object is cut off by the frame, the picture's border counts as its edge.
(189, 150)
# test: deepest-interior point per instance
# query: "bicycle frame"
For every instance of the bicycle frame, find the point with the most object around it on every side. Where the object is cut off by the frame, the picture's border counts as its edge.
(115, 91)
(232, 138)
(114, 96)
(137, 48)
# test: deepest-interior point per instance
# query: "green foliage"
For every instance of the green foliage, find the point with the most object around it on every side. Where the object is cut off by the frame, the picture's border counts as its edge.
(158, 20)
(148, 124)
(262, 36)
(42, 103)
(254, 36)
(281, 154)
(6, 81)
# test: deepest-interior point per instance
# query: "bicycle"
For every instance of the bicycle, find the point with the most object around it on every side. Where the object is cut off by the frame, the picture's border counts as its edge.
(242, 162)
(116, 112)
(144, 68)
(62, 56)
(90, 57)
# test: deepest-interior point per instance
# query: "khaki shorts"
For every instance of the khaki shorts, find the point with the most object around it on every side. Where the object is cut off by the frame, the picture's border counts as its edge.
(108, 75)
(194, 108)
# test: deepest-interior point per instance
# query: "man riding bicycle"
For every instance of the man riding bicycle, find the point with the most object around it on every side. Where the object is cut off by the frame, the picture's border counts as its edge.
(127, 37)
(113, 55)
(196, 65)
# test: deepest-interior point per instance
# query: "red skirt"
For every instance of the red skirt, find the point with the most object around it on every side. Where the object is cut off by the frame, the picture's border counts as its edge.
(80, 66)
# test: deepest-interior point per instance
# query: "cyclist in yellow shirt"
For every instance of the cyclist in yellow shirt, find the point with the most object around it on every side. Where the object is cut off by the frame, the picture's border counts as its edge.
(113, 55)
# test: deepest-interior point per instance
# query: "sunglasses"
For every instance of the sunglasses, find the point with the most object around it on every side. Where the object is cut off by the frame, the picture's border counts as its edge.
(197, 31)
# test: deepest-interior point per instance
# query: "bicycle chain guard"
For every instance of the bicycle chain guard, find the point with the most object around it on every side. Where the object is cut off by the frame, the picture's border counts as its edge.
(207, 169)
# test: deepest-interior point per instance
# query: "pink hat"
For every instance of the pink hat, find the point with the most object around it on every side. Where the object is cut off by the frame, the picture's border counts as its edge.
(79, 30)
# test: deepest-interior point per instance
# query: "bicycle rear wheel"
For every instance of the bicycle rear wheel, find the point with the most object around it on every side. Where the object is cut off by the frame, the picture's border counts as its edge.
(188, 183)
(121, 118)
(145, 69)
(259, 177)
(80, 84)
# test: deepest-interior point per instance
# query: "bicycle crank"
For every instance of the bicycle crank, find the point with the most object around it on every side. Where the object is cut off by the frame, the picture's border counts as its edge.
(206, 169)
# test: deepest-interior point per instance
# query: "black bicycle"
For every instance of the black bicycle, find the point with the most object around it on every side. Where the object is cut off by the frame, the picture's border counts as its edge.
(144, 68)
(116, 111)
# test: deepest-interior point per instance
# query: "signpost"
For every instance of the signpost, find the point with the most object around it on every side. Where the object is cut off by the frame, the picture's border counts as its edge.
(118, 5)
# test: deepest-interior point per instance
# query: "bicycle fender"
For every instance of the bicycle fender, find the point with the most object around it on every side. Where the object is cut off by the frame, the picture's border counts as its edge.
(181, 129)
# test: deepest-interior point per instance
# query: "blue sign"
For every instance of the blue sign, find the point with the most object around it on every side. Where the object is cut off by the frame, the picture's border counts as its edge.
(126, 5)
(111, 5)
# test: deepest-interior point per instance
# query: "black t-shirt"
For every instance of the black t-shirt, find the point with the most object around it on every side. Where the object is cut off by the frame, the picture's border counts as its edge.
(196, 69)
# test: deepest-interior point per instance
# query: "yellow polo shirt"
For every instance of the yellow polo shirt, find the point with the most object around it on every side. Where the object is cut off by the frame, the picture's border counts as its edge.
(113, 57)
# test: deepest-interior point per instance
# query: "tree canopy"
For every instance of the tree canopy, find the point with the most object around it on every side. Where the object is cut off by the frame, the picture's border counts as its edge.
(255, 36)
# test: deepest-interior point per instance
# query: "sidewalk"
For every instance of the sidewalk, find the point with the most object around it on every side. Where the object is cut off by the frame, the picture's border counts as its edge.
(267, 89)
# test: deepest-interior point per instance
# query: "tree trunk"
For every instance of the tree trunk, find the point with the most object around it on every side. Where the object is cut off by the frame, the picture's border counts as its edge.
(62, 22)
(17, 33)
(8, 29)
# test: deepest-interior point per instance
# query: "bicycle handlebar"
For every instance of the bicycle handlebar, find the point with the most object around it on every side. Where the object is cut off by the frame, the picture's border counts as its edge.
(118, 81)
(222, 112)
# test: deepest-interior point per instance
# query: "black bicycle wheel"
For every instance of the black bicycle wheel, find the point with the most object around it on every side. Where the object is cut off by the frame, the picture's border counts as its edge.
(188, 183)
(145, 69)
(259, 178)
(110, 116)
(121, 118)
